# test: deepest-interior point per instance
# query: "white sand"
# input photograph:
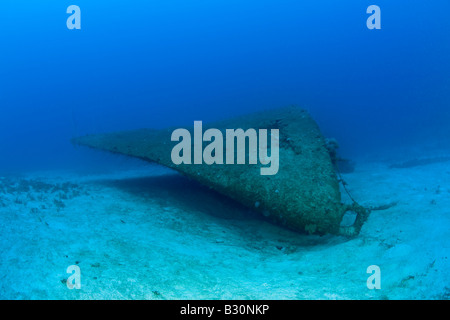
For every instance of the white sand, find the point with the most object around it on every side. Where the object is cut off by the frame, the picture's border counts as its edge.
(151, 234)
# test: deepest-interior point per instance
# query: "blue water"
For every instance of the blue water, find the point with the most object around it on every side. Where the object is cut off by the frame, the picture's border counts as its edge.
(158, 63)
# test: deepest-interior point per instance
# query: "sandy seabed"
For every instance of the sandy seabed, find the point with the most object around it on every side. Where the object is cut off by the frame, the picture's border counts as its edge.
(149, 233)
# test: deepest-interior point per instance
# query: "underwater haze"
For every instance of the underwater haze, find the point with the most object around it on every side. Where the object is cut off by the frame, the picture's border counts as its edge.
(138, 230)
(159, 63)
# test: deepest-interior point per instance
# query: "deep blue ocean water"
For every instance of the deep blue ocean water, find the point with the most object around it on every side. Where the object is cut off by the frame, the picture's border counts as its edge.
(141, 63)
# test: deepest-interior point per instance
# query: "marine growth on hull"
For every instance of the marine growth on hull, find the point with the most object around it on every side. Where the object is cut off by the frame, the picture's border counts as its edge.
(289, 175)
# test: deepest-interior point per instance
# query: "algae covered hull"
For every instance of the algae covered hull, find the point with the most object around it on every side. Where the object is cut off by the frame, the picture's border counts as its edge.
(304, 193)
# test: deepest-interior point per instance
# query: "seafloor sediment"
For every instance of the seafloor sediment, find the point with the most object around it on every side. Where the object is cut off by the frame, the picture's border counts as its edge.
(150, 233)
